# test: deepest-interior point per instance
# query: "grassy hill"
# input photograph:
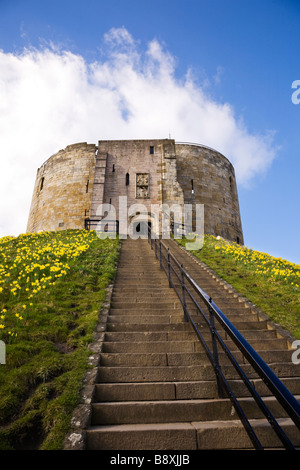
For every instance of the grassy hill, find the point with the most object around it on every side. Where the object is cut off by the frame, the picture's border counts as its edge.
(272, 284)
(52, 285)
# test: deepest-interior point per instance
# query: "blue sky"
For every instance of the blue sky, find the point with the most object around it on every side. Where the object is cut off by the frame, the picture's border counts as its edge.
(216, 72)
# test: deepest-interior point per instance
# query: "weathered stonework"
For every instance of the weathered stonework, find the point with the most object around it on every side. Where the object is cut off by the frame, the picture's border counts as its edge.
(62, 191)
(207, 177)
(72, 184)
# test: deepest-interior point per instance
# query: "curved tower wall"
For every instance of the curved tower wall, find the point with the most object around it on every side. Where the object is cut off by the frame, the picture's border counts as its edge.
(62, 191)
(207, 177)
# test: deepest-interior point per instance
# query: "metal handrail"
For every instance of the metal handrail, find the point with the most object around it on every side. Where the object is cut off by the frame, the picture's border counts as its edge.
(112, 225)
(168, 262)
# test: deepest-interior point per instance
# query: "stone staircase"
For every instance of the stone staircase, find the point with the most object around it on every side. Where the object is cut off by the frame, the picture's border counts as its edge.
(156, 389)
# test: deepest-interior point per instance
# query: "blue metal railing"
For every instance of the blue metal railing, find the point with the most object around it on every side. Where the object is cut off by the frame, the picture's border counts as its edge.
(187, 288)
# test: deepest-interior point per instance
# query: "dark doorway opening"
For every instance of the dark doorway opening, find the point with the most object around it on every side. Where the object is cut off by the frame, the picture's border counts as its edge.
(141, 228)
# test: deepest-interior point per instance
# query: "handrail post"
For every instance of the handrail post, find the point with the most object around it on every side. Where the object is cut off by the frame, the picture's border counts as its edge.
(183, 293)
(215, 348)
(155, 247)
(169, 268)
(160, 259)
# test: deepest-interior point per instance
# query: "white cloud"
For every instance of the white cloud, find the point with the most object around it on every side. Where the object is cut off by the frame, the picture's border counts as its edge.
(119, 37)
(51, 98)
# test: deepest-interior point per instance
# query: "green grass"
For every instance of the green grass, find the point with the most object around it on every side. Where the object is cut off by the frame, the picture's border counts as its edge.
(272, 284)
(47, 332)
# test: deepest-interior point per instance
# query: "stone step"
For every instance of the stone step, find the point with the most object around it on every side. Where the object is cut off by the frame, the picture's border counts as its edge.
(241, 323)
(140, 292)
(176, 411)
(142, 282)
(179, 436)
(122, 392)
(152, 306)
(143, 336)
(163, 304)
(183, 358)
(146, 319)
(270, 340)
(134, 276)
(133, 327)
(148, 344)
(243, 327)
(160, 308)
(183, 373)
(247, 313)
(220, 435)
(155, 374)
(152, 292)
(143, 297)
(157, 359)
(170, 298)
(188, 390)
(125, 284)
(207, 435)
(121, 326)
(136, 290)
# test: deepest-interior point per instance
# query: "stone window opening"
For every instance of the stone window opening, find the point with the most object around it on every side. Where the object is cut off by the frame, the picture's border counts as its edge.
(87, 186)
(192, 183)
(151, 150)
(113, 168)
(42, 183)
(127, 179)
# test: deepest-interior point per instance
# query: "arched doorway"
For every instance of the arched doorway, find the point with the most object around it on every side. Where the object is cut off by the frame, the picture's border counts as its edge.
(139, 226)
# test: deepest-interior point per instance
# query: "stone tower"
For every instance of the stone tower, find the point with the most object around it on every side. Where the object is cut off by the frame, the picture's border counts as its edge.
(72, 184)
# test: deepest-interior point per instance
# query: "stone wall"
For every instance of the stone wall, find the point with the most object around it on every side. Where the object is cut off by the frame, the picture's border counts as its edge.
(142, 170)
(207, 177)
(63, 187)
